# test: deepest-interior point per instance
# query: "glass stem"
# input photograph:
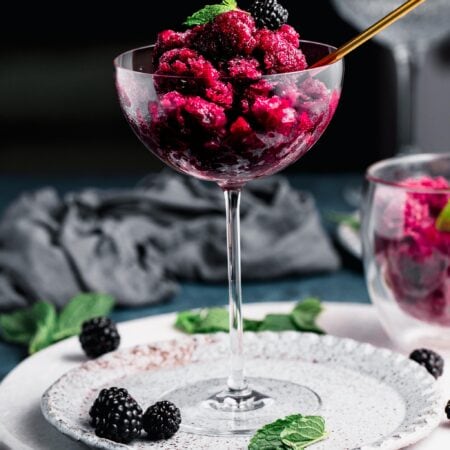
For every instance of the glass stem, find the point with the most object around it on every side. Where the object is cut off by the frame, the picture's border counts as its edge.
(236, 380)
(408, 62)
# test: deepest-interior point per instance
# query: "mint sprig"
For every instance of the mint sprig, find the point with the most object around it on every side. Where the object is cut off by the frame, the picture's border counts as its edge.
(351, 220)
(45, 322)
(294, 432)
(305, 314)
(443, 220)
(303, 432)
(40, 325)
(82, 307)
(209, 12)
(277, 322)
(302, 318)
(269, 436)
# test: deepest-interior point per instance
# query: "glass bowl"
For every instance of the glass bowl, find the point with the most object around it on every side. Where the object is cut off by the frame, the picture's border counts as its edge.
(228, 130)
(406, 246)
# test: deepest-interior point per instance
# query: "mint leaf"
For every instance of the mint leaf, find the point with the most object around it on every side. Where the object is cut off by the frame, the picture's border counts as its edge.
(39, 326)
(209, 12)
(213, 320)
(252, 325)
(269, 436)
(80, 308)
(302, 318)
(277, 322)
(443, 220)
(210, 320)
(292, 432)
(44, 315)
(188, 321)
(352, 220)
(18, 327)
(305, 314)
(31, 326)
(303, 432)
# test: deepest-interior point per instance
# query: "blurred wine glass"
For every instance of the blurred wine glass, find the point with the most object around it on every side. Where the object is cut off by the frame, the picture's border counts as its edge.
(409, 39)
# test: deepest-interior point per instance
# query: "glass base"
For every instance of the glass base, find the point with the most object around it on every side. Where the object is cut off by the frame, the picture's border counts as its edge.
(210, 409)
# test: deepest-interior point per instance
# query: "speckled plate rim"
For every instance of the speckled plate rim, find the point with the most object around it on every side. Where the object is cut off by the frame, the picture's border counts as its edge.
(429, 393)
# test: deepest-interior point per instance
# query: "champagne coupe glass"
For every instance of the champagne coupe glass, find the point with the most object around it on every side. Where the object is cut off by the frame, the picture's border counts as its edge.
(408, 39)
(272, 121)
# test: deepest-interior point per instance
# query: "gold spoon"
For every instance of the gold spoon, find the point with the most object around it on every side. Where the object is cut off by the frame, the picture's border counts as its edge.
(369, 33)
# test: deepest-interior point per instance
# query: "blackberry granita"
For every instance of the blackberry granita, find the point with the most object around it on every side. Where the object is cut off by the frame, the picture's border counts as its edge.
(230, 101)
(412, 246)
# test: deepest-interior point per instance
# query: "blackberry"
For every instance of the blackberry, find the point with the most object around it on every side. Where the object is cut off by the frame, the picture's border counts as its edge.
(103, 402)
(430, 360)
(161, 420)
(122, 422)
(99, 336)
(447, 410)
(269, 14)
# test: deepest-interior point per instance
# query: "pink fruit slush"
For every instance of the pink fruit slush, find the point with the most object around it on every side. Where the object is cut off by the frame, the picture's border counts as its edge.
(413, 253)
(221, 113)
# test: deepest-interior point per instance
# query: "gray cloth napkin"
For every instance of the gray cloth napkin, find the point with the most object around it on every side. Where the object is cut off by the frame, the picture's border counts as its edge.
(134, 244)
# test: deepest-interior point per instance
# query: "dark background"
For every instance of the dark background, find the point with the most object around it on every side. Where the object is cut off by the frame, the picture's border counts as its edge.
(58, 106)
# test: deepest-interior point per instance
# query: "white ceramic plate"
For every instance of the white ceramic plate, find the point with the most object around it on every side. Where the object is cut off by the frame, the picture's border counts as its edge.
(23, 427)
(372, 398)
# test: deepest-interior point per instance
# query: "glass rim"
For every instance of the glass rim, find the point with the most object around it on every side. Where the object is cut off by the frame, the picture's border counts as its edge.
(419, 158)
(314, 70)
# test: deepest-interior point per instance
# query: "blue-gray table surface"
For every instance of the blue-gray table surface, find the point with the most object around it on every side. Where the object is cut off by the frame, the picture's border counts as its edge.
(347, 284)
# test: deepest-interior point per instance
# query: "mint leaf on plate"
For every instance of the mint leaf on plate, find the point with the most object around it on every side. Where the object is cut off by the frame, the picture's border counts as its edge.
(80, 308)
(443, 220)
(188, 321)
(294, 432)
(19, 326)
(304, 431)
(213, 320)
(44, 315)
(210, 320)
(32, 326)
(39, 326)
(209, 12)
(351, 220)
(277, 322)
(269, 436)
(305, 313)
(252, 325)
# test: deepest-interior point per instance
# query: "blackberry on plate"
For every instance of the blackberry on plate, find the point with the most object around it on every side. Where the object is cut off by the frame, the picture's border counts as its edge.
(120, 419)
(430, 360)
(447, 410)
(161, 420)
(269, 14)
(99, 336)
(103, 402)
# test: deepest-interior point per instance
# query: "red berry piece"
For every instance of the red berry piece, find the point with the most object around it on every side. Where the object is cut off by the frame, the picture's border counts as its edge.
(277, 54)
(243, 67)
(229, 34)
(169, 39)
(290, 35)
(200, 113)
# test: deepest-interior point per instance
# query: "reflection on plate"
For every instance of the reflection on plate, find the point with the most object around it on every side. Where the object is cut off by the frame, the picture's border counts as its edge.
(372, 398)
